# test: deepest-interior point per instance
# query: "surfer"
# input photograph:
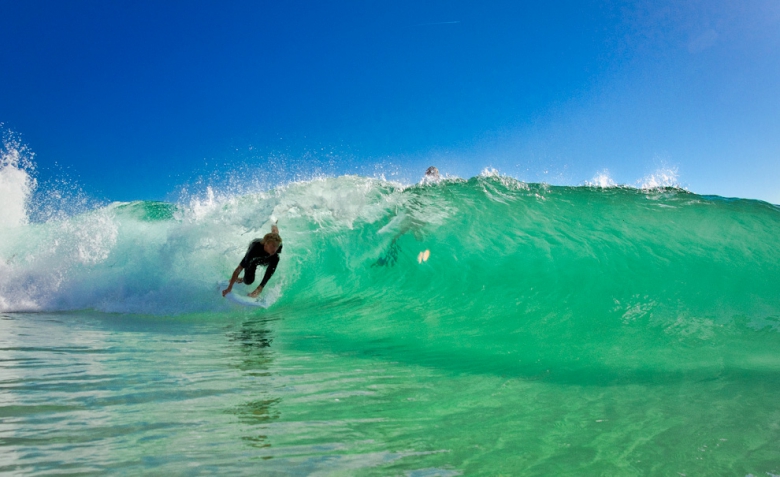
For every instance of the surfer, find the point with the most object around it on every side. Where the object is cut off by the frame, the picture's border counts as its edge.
(431, 176)
(409, 221)
(263, 251)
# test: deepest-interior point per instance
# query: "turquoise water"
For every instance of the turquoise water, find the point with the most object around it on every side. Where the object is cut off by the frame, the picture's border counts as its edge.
(551, 331)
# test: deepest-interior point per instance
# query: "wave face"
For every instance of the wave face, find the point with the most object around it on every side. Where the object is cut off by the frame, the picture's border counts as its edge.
(511, 265)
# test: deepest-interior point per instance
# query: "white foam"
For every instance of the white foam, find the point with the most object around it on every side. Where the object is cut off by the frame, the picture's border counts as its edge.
(663, 177)
(602, 180)
(16, 184)
(490, 172)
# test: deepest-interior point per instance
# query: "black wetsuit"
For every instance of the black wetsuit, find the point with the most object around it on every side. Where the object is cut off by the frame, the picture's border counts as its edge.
(255, 256)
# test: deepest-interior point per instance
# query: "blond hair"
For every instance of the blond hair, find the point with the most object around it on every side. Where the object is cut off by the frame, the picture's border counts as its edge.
(273, 238)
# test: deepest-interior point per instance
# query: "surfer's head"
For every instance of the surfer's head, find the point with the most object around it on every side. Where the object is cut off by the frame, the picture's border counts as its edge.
(271, 243)
(432, 172)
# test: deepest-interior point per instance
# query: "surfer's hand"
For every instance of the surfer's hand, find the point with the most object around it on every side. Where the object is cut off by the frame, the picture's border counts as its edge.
(225, 292)
(256, 292)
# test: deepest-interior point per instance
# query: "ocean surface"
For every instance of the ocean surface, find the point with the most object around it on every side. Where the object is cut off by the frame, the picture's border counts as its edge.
(478, 326)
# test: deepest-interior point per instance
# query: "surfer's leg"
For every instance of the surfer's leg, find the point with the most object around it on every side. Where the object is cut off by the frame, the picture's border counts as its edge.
(249, 275)
(391, 256)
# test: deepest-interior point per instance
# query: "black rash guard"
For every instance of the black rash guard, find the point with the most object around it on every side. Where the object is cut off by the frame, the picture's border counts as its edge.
(255, 256)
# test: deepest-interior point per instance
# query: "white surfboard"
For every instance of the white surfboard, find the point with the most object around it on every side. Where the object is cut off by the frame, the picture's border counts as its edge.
(239, 295)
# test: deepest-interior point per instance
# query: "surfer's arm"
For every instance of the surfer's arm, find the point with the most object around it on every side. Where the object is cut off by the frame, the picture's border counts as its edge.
(274, 229)
(233, 280)
(269, 271)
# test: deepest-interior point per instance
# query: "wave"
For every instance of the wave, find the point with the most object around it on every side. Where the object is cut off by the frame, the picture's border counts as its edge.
(489, 269)
(120, 256)
(482, 263)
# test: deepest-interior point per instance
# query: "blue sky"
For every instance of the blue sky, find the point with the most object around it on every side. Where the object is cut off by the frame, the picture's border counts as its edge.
(133, 99)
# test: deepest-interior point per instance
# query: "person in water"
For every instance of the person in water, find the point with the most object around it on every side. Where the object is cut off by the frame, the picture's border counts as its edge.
(411, 221)
(263, 251)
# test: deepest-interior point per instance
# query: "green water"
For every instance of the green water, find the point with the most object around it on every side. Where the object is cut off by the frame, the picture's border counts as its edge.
(552, 331)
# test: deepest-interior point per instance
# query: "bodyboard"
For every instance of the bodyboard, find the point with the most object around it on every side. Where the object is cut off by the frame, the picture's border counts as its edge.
(239, 295)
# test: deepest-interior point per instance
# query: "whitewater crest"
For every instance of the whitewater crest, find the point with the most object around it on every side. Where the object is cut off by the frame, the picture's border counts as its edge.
(664, 177)
(16, 182)
(602, 179)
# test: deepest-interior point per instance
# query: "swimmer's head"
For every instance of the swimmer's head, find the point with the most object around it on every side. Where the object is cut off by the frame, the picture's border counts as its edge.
(432, 172)
(271, 243)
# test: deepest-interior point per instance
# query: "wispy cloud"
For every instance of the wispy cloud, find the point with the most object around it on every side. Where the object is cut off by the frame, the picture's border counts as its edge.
(703, 41)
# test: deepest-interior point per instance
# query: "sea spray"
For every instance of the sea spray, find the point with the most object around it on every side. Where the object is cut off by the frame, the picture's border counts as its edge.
(16, 181)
